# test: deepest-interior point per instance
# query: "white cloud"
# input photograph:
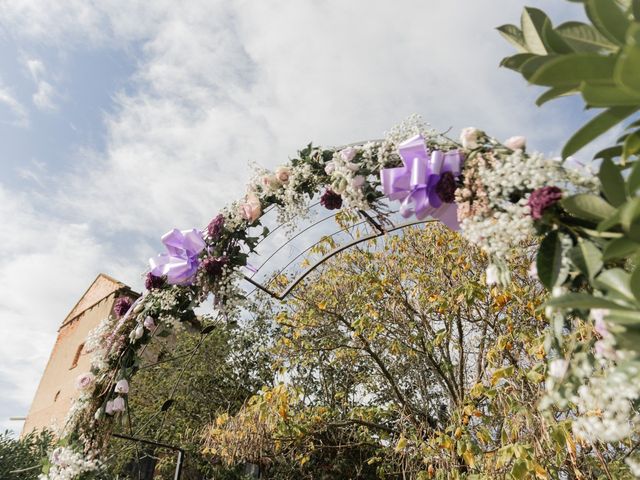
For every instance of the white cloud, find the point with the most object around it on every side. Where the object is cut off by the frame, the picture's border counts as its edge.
(18, 114)
(44, 96)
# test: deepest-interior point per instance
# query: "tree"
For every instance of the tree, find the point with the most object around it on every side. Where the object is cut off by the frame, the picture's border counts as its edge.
(401, 353)
(202, 376)
(20, 458)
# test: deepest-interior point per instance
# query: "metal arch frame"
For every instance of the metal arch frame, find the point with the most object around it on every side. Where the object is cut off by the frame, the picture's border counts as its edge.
(380, 231)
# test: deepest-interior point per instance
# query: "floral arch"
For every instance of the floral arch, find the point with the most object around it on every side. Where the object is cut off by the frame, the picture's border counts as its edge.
(495, 193)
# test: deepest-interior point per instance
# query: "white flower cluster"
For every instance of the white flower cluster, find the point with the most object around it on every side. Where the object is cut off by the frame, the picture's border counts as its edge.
(346, 179)
(506, 224)
(605, 405)
(412, 125)
(68, 464)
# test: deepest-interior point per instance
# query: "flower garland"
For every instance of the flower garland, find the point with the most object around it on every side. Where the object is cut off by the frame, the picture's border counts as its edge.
(495, 193)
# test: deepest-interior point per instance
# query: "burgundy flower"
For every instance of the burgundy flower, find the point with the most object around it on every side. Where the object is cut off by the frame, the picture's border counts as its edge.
(543, 198)
(331, 200)
(213, 266)
(446, 187)
(152, 281)
(122, 306)
(215, 227)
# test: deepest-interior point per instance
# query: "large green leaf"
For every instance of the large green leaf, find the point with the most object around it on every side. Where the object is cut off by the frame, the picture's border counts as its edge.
(613, 185)
(553, 40)
(584, 37)
(587, 257)
(574, 68)
(531, 66)
(595, 127)
(627, 69)
(633, 180)
(619, 248)
(549, 260)
(514, 36)
(515, 62)
(629, 216)
(631, 144)
(583, 301)
(608, 18)
(555, 92)
(587, 206)
(615, 281)
(635, 283)
(609, 152)
(607, 95)
(532, 21)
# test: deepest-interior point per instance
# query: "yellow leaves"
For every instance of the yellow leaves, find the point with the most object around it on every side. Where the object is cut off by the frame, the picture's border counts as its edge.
(458, 433)
(469, 458)
(501, 373)
(501, 300)
(401, 445)
(322, 305)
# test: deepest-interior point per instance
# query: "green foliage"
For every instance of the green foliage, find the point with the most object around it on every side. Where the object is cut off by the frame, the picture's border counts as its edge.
(601, 61)
(171, 401)
(20, 459)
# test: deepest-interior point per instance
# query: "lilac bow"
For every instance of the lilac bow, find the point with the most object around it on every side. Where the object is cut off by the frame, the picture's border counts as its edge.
(416, 184)
(181, 263)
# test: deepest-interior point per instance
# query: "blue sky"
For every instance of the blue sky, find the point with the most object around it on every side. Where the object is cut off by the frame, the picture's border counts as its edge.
(122, 119)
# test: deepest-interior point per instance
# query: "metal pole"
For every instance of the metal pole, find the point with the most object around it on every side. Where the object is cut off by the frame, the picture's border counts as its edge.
(180, 451)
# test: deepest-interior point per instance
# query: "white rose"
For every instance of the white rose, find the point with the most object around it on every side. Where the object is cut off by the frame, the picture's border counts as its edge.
(270, 182)
(283, 174)
(469, 137)
(516, 143)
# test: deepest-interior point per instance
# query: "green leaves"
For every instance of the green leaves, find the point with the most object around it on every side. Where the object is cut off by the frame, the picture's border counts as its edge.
(595, 127)
(608, 18)
(612, 183)
(549, 260)
(587, 206)
(601, 61)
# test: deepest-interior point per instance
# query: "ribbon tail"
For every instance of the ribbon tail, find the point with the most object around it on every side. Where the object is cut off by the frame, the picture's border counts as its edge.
(448, 214)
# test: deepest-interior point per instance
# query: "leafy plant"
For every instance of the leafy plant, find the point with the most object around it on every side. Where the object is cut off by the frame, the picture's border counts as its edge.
(600, 61)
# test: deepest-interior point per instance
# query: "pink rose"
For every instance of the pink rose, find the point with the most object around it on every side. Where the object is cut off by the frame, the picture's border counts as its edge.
(329, 168)
(149, 323)
(85, 380)
(108, 408)
(469, 137)
(122, 386)
(516, 143)
(283, 174)
(251, 210)
(348, 153)
(357, 181)
(118, 405)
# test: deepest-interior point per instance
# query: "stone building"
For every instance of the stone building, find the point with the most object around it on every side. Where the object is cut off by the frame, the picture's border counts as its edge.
(69, 359)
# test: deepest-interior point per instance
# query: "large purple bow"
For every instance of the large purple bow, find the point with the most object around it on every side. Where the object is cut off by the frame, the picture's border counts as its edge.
(415, 184)
(181, 263)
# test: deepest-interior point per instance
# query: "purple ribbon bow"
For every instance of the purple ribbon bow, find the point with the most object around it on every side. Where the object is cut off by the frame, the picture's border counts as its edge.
(416, 183)
(181, 263)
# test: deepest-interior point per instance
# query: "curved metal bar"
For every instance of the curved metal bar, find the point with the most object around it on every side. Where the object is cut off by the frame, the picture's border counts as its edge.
(334, 252)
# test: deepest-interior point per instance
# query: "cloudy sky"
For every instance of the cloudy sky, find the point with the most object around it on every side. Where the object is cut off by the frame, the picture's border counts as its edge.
(121, 119)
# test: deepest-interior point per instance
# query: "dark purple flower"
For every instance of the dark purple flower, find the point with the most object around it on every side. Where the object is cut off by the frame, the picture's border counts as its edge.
(152, 281)
(215, 227)
(213, 266)
(331, 200)
(122, 306)
(543, 198)
(446, 187)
